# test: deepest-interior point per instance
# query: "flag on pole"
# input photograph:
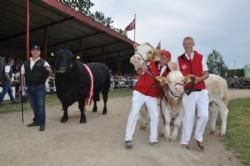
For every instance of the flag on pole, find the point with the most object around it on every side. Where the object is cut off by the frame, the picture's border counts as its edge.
(131, 26)
(158, 45)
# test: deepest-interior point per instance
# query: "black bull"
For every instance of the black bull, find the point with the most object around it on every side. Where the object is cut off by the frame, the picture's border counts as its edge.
(73, 83)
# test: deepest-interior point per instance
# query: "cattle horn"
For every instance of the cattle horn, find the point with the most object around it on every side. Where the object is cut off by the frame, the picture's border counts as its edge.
(189, 78)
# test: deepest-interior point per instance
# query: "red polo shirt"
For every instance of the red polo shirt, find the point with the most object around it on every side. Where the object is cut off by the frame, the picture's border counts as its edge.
(146, 83)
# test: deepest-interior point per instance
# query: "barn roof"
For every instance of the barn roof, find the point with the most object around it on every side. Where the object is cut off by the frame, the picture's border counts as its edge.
(65, 28)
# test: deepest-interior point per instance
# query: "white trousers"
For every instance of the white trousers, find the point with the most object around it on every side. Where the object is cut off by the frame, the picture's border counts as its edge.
(138, 100)
(199, 101)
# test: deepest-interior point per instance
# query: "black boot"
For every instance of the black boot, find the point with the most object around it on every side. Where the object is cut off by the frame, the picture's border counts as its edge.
(128, 145)
(42, 128)
(33, 124)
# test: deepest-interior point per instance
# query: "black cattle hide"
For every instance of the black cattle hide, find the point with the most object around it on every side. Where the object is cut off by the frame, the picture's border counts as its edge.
(73, 83)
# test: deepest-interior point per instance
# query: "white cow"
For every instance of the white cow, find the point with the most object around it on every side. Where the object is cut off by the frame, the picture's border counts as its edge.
(218, 101)
(171, 104)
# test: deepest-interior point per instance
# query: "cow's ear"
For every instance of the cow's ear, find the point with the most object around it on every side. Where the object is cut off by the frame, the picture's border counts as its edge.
(155, 56)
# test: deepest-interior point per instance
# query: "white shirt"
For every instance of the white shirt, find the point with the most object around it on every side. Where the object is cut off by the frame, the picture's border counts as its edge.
(32, 63)
(7, 68)
(163, 69)
(204, 64)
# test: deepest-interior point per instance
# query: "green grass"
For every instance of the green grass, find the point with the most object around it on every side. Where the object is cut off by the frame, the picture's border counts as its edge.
(237, 138)
(120, 93)
(52, 100)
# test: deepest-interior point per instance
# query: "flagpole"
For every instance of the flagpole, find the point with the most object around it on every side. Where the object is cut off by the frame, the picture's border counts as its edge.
(135, 28)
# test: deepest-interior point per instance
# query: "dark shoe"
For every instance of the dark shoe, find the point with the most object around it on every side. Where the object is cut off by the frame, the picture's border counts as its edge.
(199, 145)
(14, 102)
(42, 128)
(128, 145)
(154, 143)
(33, 124)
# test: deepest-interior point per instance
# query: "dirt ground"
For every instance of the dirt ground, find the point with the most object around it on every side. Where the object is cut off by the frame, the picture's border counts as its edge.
(99, 142)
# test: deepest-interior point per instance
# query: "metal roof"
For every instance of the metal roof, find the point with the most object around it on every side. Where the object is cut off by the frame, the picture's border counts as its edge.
(65, 28)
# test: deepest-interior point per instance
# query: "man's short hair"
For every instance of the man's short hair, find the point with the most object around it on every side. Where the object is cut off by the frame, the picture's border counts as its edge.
(188, 38)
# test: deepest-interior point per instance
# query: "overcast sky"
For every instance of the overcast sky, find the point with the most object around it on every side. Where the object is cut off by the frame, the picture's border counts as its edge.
(223, 25)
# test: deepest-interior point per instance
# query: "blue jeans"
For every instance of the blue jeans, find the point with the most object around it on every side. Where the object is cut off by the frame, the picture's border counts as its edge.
(7, 89)
(36, 95)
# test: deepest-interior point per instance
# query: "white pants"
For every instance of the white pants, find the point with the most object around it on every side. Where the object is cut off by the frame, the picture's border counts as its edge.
(138, 100)
(195, 101)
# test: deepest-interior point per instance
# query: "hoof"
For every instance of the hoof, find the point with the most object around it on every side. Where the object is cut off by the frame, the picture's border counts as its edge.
(94, 110)
(212, 132)
(222, 135)
(167, 139)
(83, 121)
(172, 139)
(104, 112)
(143, 127)
(161, 135)
(64, 120)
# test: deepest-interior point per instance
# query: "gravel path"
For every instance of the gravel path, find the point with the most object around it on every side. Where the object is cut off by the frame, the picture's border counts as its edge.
(99, 142)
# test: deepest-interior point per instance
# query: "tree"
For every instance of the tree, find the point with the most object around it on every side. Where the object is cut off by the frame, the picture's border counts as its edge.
(235, 73)
(83, 6)
(99, 16)
(216, 63)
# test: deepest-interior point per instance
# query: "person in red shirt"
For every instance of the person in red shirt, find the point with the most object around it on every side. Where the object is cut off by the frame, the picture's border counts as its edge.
(146, 91)
(196, 98)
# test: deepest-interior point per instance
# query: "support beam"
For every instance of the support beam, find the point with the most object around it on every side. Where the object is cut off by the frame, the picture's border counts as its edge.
(122, 50)
(108, 54)
(99, 46)
(37, 28)
(104, 45)
(45, 43)
(104, 55)
(119, 64)
(74, 39)
(81, 50)
(27, 30)
(121, 58)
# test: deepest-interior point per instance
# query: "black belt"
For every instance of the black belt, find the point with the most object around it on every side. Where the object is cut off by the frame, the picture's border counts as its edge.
(189, 91)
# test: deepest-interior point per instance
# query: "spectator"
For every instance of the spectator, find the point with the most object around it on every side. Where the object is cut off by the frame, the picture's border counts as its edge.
(7, 81)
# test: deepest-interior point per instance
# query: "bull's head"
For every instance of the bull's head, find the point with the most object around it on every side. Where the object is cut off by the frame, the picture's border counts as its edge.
(64, 60)
(143, 53)
(174, 83)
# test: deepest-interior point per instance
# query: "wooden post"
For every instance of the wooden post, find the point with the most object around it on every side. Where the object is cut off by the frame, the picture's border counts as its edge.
(81, 50)
(135, 29)
(27, 30)
(104, 55)
(119, 63)
(45, 43)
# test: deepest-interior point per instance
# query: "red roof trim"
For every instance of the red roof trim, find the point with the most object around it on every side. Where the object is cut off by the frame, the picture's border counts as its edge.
(85, 19)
